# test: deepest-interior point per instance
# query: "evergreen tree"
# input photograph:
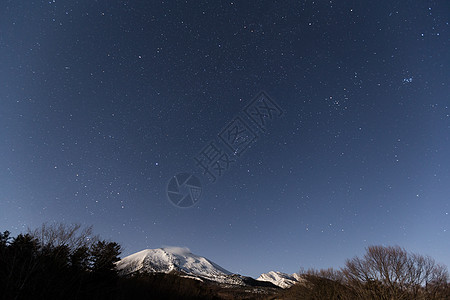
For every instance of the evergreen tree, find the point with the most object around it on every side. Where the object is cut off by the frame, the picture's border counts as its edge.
(104, 256)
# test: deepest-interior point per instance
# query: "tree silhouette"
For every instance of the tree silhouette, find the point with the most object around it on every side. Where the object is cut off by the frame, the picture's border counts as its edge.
(104, 256)
(393, 273)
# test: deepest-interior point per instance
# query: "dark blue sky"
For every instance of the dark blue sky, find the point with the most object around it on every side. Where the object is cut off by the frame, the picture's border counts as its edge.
(102, 102)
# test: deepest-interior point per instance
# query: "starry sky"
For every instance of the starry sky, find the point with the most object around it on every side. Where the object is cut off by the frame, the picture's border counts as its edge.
(103, 102)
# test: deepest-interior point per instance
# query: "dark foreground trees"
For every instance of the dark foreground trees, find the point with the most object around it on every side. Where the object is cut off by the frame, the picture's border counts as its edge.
(383, 273)
(394, 273)
(56, 262)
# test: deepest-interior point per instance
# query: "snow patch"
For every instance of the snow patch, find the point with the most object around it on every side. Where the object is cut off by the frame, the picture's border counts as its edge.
(280, 279)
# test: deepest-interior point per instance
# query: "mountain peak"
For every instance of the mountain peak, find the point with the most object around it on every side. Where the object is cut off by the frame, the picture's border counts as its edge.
(177, 250)
(169, 259)
(280, 279)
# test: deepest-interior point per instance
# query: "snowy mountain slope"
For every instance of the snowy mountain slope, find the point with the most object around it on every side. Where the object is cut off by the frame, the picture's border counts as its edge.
(187, 264)
(280, 279)
(170, 259)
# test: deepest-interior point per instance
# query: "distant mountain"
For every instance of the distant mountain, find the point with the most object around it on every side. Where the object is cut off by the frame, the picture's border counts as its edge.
(280, 279)
(187, 264)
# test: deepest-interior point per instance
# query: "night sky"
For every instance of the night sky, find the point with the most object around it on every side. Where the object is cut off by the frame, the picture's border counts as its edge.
(103, 102)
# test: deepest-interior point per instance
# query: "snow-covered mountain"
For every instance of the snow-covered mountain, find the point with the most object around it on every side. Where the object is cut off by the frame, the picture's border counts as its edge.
(187, 264)
(169, 259)
(280, 279)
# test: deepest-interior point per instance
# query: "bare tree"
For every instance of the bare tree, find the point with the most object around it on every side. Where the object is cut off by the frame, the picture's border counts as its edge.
(59, 234)
(330, 273)
(393, 273)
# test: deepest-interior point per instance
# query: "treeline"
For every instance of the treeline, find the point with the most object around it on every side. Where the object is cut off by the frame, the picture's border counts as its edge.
(57, 262)
(383, 273)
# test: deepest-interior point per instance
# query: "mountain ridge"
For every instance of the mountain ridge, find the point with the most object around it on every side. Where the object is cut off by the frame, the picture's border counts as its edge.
(183, 261)
(281, 279)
